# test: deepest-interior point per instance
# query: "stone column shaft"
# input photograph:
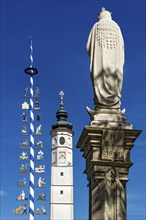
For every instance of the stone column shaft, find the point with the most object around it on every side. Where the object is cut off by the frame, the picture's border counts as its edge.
(107, 154)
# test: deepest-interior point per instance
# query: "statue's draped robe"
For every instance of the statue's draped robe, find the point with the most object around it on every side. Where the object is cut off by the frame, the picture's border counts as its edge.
(105, 47)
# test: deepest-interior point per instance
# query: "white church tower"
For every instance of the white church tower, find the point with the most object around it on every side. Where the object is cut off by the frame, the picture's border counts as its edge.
(61, 202)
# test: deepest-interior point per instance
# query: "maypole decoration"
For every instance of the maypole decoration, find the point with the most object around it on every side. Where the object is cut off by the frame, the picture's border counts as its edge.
(32, 142)
(31, 71)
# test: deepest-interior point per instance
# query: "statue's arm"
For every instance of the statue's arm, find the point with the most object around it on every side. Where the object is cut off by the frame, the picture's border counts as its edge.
(89, 41)
(122, 46)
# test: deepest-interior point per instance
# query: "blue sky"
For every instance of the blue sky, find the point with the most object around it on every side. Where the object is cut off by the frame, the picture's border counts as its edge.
(60, 30)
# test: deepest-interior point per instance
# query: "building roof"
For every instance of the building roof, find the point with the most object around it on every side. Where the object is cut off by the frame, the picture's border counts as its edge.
(62, 116)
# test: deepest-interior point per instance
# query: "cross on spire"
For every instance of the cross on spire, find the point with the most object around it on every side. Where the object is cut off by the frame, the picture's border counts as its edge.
(61, 93)
(61, 100)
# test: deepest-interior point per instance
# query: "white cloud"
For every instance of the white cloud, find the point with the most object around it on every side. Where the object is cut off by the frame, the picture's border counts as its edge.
(3, 193)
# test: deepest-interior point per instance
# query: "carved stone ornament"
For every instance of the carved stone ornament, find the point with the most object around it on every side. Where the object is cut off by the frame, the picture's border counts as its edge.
(111, 177)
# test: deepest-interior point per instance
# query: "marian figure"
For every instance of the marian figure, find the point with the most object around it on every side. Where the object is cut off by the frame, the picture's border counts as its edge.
(105, 47)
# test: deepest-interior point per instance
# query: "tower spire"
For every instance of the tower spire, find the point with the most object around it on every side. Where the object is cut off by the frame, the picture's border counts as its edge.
(61, 100)
(62, 115)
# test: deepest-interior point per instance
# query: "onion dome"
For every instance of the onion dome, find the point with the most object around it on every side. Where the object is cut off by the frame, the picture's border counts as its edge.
(62, 116)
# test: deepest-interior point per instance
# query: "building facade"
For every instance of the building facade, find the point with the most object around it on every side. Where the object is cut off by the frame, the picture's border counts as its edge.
(61, 202)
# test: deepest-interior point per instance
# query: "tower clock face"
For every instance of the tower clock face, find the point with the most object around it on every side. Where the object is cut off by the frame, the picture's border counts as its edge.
(62, 140)
(54, 142)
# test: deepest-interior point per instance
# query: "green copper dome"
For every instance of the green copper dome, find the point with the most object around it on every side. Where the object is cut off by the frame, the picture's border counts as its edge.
(62, 116)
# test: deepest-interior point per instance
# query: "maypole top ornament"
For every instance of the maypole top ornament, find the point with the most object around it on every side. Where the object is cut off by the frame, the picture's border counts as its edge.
(31, 70)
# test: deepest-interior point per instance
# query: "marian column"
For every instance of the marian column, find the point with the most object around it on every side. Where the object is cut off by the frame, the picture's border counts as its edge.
(107, 141)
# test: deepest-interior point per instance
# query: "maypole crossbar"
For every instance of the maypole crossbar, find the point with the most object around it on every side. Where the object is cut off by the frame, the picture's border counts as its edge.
(31, 71)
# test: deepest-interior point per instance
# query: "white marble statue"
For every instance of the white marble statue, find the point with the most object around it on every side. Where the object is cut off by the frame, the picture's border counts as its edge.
(105, 47)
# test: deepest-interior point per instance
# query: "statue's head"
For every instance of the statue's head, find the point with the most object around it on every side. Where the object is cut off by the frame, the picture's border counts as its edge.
(104, 14)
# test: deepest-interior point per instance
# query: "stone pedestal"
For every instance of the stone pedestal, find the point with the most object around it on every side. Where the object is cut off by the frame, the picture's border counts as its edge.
(107, 154)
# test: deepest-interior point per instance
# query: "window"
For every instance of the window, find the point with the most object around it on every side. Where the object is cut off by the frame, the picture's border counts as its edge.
(61, 173)
(61, 192)
(62, 140)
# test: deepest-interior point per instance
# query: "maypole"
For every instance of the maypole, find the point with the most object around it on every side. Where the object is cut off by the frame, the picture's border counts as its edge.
(31, 71)
(34, 143)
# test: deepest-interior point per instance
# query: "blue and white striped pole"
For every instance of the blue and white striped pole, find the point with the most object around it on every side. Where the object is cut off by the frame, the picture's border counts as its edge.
(31, 181)
(31, 71)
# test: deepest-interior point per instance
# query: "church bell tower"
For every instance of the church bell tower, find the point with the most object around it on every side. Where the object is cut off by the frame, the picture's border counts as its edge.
(61, 202)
